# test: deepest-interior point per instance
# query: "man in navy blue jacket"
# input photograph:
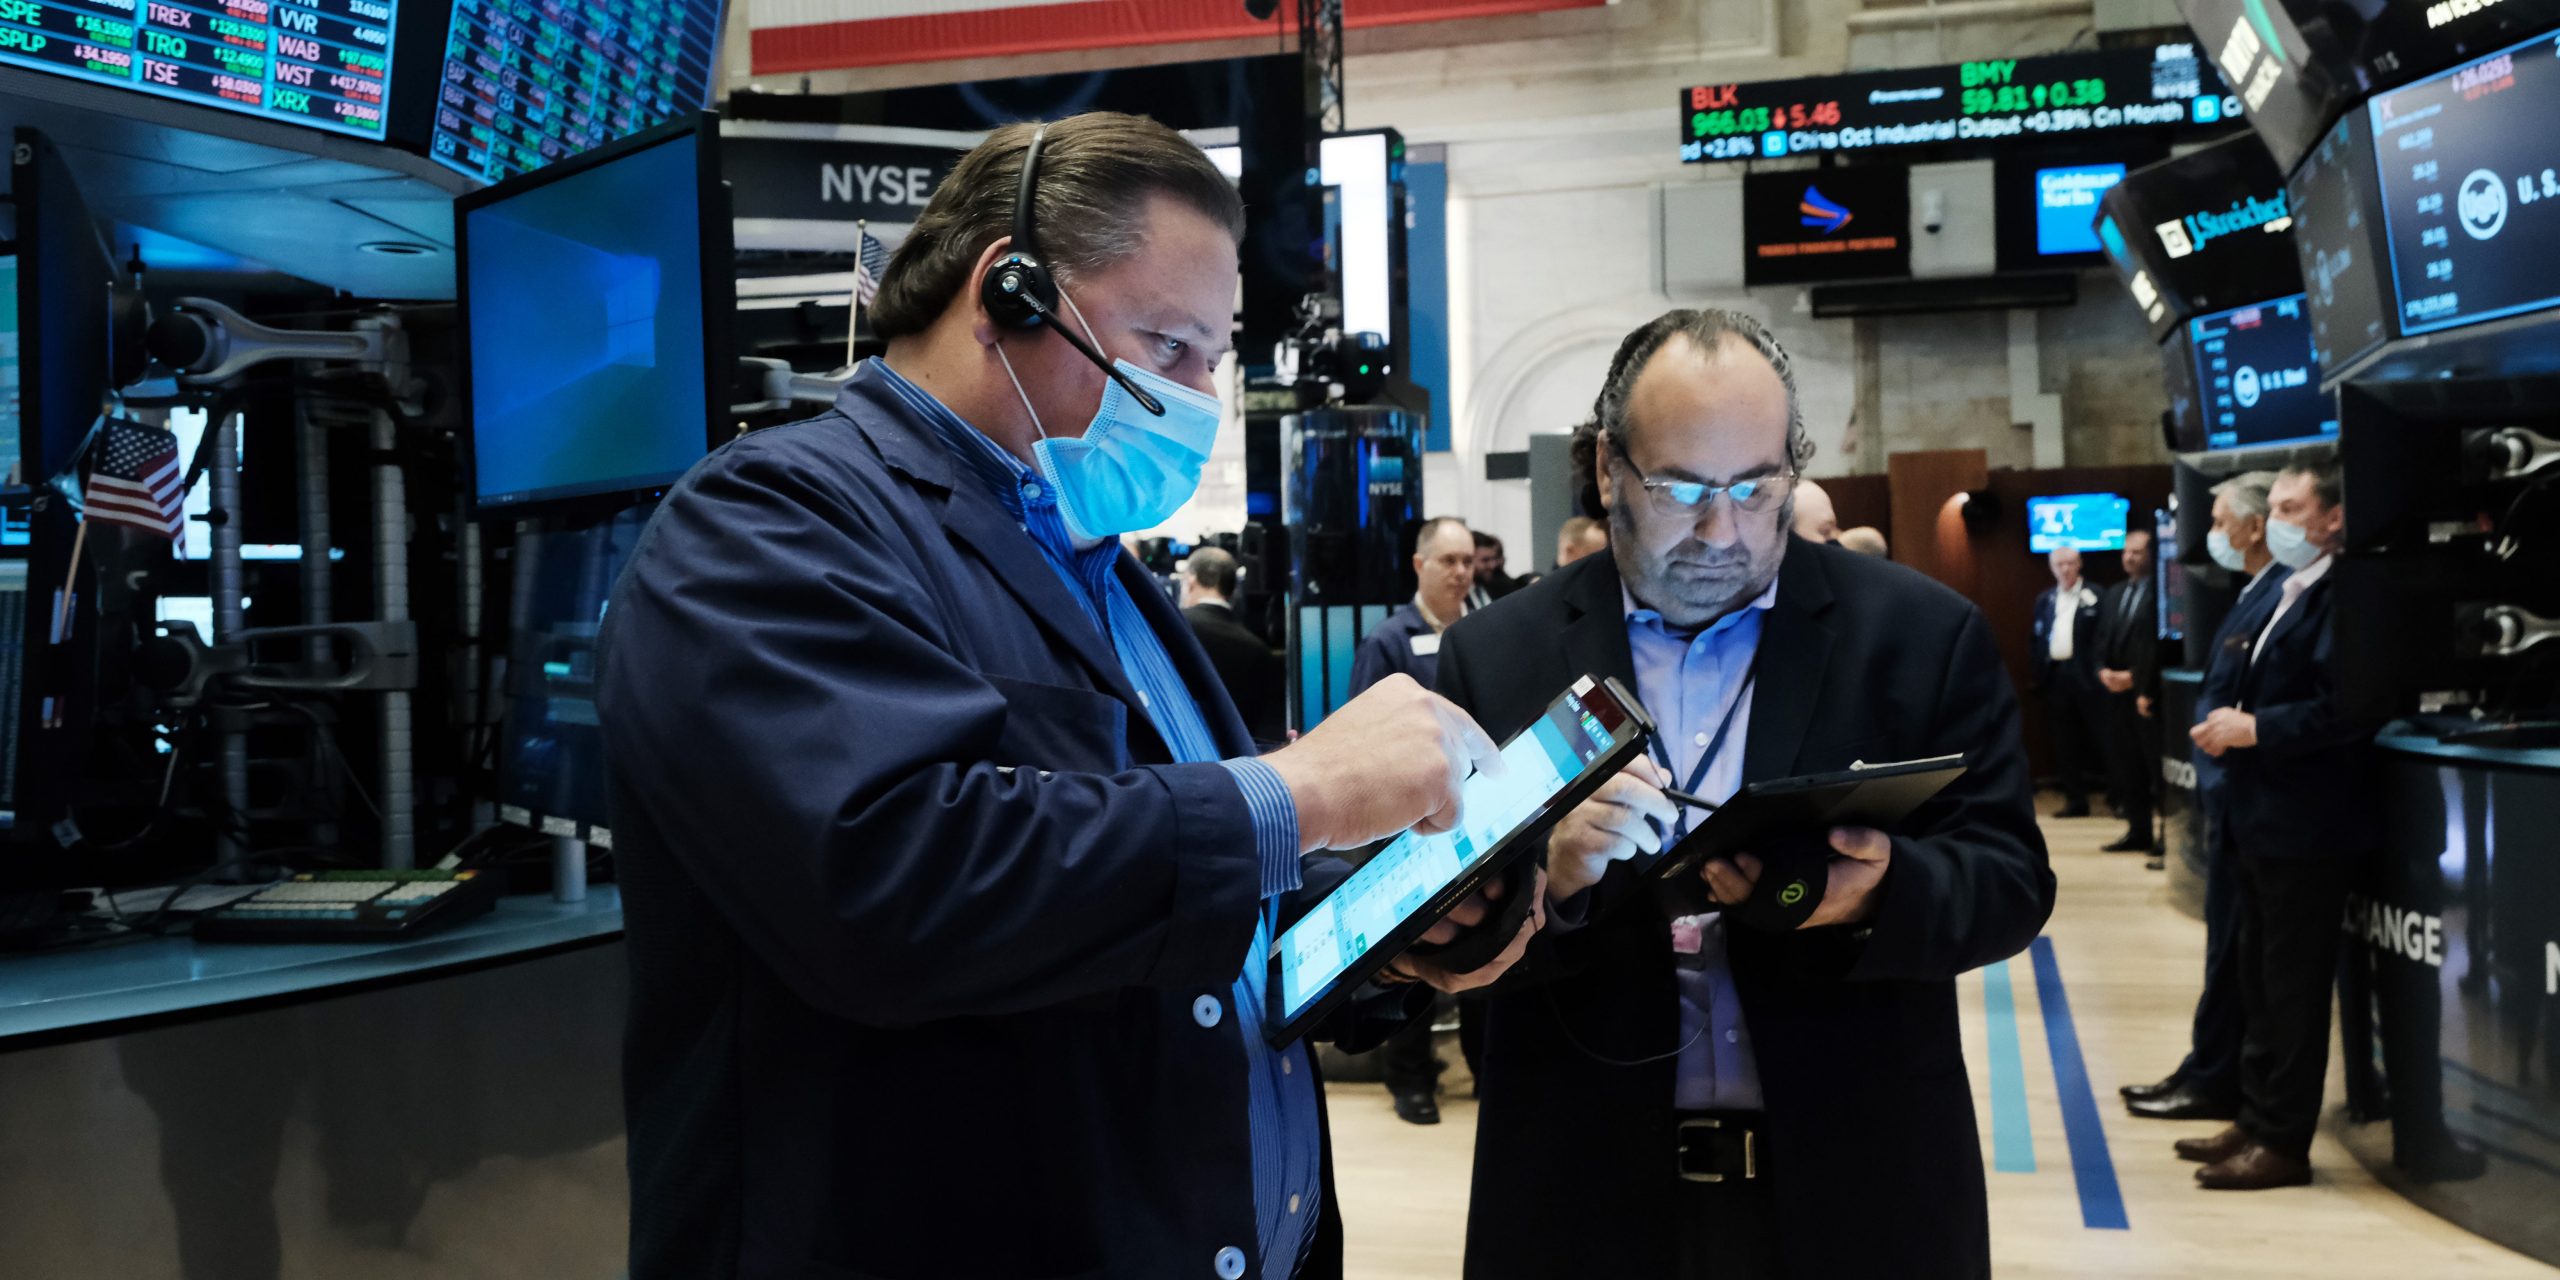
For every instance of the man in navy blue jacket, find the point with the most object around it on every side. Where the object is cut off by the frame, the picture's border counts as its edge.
(950, 875)
(2297, 821)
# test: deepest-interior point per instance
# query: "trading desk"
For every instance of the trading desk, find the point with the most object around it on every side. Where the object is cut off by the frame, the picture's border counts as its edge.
(448, 1105)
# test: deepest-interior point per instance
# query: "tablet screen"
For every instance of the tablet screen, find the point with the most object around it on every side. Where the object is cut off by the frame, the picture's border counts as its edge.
(1364, 909)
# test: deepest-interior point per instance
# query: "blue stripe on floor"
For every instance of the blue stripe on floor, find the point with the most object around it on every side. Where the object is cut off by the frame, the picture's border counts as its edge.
(2101, 1201)
(2013, 1149)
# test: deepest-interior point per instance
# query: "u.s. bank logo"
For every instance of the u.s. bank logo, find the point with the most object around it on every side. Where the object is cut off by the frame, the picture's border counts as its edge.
(2173, 237)
(2482, 204)
(2244, 385)
(1819, 210)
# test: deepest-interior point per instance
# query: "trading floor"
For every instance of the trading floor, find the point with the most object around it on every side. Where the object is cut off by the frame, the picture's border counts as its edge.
(2129, 965)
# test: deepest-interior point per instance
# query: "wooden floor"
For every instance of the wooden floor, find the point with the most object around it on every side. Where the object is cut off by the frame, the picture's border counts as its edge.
(2130, 965)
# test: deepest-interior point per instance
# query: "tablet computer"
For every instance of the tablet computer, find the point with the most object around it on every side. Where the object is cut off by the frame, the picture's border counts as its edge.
(1862, 795)
(1587, 734)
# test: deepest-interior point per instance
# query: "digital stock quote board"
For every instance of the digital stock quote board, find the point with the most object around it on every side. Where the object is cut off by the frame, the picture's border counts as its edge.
(325, 63)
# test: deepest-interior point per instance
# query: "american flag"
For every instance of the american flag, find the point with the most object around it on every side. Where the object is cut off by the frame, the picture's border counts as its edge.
(138, 479)
(874, 264)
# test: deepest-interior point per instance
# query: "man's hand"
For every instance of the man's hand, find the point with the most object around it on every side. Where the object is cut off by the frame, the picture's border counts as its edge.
(1469, 914)
(2115, 680)
(2226, 728)
(1390, 759)
(1615, 824)
(2142, 705)
(1848, 896)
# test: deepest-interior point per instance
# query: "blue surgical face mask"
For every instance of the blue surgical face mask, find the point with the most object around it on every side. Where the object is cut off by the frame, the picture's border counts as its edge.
(2291, 545)
(1131, 470)
(2217, 544)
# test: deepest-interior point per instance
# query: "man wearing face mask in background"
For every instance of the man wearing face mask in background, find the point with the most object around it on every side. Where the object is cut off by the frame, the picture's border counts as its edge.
(949, 873)
(2206, 1086)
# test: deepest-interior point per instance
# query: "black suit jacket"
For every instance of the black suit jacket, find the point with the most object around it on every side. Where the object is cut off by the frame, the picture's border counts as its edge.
(1254, 675)
(2129, 633)
(1872, 1144)
(2082, 670)
(2304, 791)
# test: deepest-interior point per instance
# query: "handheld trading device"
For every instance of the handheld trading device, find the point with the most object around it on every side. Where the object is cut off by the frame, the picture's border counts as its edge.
(1585, 737)
(1783, 821)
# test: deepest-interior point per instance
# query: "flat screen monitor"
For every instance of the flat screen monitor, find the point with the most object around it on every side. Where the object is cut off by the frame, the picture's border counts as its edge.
(551, 758)
(2080, 521)
(2337, 237)
(529, 85)
(2471, 188)
(2207, 230)
(2066, 205)
(10, 476)
(2258, 381)
(65, 327)
(595, 299)
(326, 64)
(1809, 227)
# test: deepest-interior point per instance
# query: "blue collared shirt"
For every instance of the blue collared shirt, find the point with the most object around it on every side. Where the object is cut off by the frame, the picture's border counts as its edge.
(1689, 683)
(1288, 1139)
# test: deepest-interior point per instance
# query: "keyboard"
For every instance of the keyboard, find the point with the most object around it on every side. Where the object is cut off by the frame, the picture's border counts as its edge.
(347, 906)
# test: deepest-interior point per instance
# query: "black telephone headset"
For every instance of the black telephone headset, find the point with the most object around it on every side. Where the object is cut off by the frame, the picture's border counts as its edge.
(1019, 293)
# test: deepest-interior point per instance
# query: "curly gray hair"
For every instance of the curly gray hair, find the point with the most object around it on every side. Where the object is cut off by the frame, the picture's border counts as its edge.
(1706, 328)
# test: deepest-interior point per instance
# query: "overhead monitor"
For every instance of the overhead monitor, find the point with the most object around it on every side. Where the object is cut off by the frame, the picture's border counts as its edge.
(1363, 168)
(2258, 383)
(1814, 226)
(2206, 230)
(1994, 101)
(2067, 207)
(326, 63)
(595, 300)
(2470, 182)
(2080, 521)
(66, 286)
(2337, 238)
(528, 85)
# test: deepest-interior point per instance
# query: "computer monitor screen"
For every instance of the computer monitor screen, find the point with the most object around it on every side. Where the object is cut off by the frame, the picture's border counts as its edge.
(2080, 521)
(2067, 206)
(9, 459)
(2257, 376)
(595, 299)
(66, 282)
(527, 85)
(2337, 237)
(551, 760)
(326, 64)
(2471, 188)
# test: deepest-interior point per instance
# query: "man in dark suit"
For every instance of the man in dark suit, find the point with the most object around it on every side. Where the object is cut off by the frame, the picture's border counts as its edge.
(1668, 1093)
(2298, 819)
(949, 872)
(1253, 675)
(2065, 660)
(2129, 672)
(2206, 1085)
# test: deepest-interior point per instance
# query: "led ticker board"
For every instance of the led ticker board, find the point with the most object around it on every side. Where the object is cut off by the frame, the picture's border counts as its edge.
(2059, 96)
(325, 63)
(528, 82)
(2470, 165)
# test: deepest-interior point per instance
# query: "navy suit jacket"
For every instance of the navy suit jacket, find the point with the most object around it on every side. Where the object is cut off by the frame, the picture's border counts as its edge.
(2229, 660)
(921, 914)
(2083, 669)
(2304, 791)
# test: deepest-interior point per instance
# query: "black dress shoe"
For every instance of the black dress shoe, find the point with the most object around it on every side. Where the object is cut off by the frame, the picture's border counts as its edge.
(2255, 1167)
(2080, 810)
(2186, 1102)
(2131, 843)
(2156, 863)
(2137, 1092)
(1417, 1108)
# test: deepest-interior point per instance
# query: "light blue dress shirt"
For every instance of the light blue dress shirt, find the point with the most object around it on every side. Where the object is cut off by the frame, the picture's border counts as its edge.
(1689, 682)
(1288, 1138)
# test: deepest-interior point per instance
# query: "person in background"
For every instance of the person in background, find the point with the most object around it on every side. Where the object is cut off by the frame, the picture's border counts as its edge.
(1254, 676)
(1670, 1093)
(2065, 657)
(1491, 582)
(1580, 536)
(2298, 822)
(1815, 519)
(2206, 1086)
(2129, 671)
(1408, 643)
(1866, 540)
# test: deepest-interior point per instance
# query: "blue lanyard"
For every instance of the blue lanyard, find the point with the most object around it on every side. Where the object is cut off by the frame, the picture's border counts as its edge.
(1715, 745)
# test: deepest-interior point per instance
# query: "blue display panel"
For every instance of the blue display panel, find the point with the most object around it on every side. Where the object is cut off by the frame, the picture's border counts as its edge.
(2067, 206)
(528, 82)
(2080, 521)
(2258, 376)
(325, 63)
(2470, 170)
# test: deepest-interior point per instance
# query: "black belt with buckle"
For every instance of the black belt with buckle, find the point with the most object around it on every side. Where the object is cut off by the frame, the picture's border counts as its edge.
(1719, 1148)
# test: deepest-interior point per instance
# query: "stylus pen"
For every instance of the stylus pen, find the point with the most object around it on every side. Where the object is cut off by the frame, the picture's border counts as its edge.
(1695, 802)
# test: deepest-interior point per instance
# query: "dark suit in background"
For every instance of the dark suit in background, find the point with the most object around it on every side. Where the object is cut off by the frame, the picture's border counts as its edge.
(1254, 676)
(2129, 640)
(1870, 1153)
(2074, 703)
(2298, 815)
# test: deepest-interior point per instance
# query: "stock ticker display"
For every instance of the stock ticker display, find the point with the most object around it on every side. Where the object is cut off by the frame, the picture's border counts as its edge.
(2258, 380)
(2470, 167)
(325, 63)
(527, 82)
(2059, 95)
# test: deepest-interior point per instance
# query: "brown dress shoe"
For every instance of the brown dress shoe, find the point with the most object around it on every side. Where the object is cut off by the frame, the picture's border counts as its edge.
(2256, 1167)
(2214, 1150)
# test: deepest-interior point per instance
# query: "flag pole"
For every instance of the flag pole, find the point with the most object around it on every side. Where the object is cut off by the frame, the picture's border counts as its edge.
(853, 301)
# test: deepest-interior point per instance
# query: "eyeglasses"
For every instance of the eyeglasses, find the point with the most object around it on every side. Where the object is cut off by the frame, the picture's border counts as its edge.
(1690, 497)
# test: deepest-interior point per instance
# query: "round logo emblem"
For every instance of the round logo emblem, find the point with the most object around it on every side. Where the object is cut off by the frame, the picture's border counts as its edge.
(1792, 894)
(2482, 205)
(2244, 387)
